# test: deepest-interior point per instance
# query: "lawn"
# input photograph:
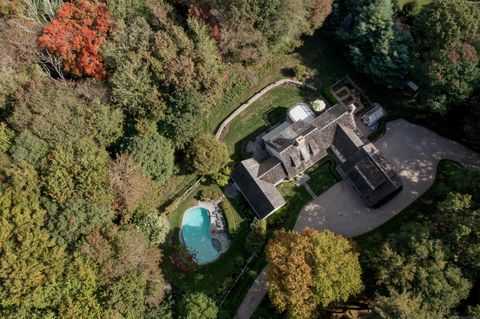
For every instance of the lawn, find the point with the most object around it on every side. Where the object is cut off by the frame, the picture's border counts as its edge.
(323, 175)
(268, 110)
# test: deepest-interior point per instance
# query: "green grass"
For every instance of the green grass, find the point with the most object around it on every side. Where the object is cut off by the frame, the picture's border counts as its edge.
(323, 175)
(268, 110)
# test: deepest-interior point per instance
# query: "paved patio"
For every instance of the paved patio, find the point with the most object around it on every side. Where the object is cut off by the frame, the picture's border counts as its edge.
(414, 151)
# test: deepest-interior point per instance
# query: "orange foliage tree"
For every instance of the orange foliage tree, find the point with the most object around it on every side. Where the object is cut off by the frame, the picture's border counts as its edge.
(76, 34)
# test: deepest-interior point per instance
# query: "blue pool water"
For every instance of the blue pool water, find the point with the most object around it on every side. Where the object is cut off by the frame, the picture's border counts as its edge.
(196, 235)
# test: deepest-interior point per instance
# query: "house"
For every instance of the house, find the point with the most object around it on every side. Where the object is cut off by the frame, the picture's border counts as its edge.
(303, 140)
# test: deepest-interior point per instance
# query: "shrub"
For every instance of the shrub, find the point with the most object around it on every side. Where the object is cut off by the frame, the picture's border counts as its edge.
(328, 95)
(301, 72)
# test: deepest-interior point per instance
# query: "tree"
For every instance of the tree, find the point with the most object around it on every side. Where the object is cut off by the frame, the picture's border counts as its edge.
(402, 306)
(304, 271)
(197, 305)
(290, 275)
(336, 269)
(462, 230)
(132, 191)
(76, 219)
(442, 23)
(208, 155)
(155, 226)
(29, 148)
(375, 45)
(154, 153)
(54, 113)
(411, 261)
(76, 34)
(78, 171)
(133, 89)
(128, 267)
(6, 135)
(257, 236)
(31, 265)
(451, 76)
(184, 118)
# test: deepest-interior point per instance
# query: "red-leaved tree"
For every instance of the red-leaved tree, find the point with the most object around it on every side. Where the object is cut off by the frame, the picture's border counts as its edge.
(76, 34)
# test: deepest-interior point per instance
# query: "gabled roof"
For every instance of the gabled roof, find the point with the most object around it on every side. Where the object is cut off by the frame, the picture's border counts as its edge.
(262, 196)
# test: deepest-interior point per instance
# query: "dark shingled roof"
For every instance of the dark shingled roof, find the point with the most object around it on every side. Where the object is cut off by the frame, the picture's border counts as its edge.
(262, 196)
(371, 175)
(346, 141)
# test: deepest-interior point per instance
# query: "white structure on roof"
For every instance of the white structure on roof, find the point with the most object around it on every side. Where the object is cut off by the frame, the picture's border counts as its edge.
(301, 111)
(374, 115)
(275, 131)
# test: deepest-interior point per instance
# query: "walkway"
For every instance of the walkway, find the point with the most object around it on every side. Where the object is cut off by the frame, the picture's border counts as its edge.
(414, 151)
(221, 129)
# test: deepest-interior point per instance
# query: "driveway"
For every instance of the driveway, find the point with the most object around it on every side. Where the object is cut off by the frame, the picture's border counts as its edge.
(414, 151)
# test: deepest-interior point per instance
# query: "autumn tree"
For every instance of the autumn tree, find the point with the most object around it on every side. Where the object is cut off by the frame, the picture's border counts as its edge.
(304, 272)
(132, 190)
(76, 34)
(208, 155)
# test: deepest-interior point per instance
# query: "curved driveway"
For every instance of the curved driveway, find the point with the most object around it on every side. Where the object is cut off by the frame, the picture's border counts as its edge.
(414, 151)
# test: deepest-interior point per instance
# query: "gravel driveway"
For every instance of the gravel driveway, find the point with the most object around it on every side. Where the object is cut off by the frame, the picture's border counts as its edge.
(414, 151)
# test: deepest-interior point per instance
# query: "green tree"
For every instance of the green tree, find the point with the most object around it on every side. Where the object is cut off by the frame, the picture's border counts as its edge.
(31, 265)
(451, 76)
(5, 137)
(197, 305)
(28, 147)
(208, 155)
(412, 261)
(462, 230)
(375, 45)
(256, 237)
(442, 23)
(76, 219)
(184, 119)
(133, 89)
(155, 226)
(154, 153)
(78, 171)
(336, 269)
(402, 306)
(54, 113)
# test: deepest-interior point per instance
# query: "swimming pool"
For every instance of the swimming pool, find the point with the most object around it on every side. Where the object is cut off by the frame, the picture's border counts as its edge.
(196, 235)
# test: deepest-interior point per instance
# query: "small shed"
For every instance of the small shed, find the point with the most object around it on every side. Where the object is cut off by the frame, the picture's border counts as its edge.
(372, 116)
(301, 111)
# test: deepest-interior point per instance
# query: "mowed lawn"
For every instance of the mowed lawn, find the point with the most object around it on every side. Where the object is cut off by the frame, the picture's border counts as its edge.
(268, 110)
